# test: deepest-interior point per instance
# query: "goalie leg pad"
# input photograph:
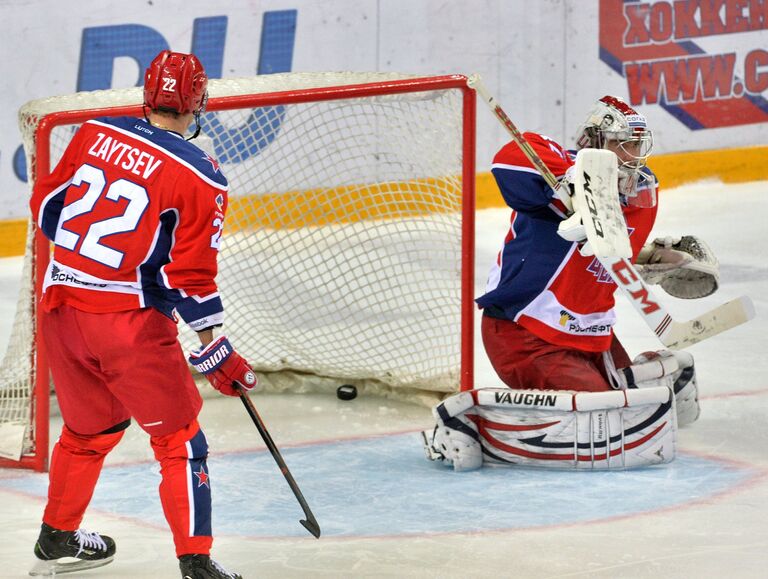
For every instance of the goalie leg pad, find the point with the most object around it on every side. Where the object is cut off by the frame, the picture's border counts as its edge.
(585, 430)
(454, 440)
(606, 430)
(676, 369)
(686, 389)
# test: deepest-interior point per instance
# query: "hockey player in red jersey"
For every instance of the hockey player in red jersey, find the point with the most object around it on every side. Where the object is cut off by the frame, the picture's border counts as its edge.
(135, 213)
(548, 317)
(548, 310)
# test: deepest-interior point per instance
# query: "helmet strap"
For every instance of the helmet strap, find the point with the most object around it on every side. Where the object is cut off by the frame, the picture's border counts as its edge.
(197, 126)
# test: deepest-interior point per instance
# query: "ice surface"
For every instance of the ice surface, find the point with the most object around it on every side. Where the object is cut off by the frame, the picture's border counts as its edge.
(387, 512)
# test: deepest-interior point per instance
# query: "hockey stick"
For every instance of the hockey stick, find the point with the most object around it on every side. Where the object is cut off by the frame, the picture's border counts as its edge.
(310, 524)
(671, 333)
(674, 334)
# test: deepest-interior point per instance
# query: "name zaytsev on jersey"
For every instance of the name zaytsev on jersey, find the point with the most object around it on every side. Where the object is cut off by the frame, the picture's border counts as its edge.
(126, 207)
(112, 151)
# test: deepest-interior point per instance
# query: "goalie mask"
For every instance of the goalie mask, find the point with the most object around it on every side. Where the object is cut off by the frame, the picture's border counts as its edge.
(614, 125)
(176, 82)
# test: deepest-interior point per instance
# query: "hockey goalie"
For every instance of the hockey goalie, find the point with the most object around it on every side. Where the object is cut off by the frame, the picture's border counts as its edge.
(576, 399)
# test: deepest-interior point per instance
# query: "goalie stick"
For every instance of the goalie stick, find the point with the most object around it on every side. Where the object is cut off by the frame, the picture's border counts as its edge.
(672, 333)
(675, 334)
(310, 523)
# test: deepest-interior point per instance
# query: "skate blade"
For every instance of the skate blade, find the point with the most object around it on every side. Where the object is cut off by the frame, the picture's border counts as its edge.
(66, 565)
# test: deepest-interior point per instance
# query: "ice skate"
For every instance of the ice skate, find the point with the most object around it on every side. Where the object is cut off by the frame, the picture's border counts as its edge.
(69, 551)
(203, 567)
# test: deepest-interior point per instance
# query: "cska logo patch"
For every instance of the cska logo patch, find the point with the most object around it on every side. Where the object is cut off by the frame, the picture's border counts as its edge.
(214, 163)
(220, 201)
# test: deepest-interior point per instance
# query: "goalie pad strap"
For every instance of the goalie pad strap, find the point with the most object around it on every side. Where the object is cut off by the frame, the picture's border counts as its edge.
(452, 422)
(682, 380)
(455, 443)
(650, 370)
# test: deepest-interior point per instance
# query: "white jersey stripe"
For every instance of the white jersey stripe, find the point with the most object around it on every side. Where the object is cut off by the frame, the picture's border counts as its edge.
(520, 168)
(190, 490)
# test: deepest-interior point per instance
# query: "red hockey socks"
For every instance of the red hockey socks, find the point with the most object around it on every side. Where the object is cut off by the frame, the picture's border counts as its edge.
(75, 467)
(185, 490)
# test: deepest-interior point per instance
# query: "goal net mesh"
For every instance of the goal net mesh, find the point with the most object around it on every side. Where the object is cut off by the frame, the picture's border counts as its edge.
(342, 249)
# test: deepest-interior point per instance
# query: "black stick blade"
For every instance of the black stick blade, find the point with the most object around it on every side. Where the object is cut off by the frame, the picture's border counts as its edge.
(312, 527)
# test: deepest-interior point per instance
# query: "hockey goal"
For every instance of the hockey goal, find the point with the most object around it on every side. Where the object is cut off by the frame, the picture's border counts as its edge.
(349, 244)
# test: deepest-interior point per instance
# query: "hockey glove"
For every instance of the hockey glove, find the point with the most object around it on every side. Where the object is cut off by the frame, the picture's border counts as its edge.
(572, 229)
(684, 267)
(223, 367)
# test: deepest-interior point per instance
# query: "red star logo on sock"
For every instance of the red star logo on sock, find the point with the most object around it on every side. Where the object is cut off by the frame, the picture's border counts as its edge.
(202, 477)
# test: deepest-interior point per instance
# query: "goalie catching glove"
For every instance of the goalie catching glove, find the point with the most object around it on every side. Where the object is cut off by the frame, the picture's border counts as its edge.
(685, 267)
(223, 367)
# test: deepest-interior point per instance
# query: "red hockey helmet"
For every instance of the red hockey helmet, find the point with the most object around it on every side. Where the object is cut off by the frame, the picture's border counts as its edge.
(177, 82)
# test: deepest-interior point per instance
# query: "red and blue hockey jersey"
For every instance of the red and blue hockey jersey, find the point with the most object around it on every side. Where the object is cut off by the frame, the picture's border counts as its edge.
(540, 280)
(136, 215)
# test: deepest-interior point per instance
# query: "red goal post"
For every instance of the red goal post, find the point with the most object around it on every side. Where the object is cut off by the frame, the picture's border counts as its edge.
(348, 254)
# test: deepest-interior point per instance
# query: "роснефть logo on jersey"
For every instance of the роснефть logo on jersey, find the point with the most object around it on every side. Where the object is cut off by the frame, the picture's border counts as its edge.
(653, 45)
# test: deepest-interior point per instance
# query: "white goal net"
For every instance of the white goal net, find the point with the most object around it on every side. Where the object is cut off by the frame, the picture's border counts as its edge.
(347, 240)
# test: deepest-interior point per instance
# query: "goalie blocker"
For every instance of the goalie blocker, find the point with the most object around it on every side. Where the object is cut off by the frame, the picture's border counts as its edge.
(546, 428)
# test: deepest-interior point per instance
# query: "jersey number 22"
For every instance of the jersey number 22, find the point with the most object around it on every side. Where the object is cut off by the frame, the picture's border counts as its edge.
(90, 247)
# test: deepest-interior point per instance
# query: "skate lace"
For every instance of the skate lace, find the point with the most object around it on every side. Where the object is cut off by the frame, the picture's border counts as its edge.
(89, 539)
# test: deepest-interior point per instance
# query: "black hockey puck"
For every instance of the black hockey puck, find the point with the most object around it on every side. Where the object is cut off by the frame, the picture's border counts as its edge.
(346, 392)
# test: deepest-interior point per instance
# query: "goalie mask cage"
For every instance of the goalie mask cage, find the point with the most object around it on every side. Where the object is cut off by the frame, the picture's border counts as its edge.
(348, 248)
